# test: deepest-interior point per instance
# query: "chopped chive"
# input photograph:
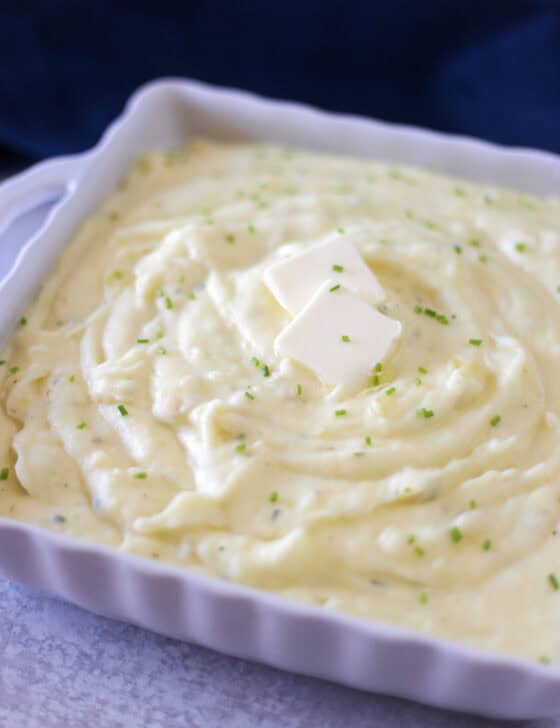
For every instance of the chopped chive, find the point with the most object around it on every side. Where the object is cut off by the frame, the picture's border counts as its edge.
(274, 497)
(367, 440)
(378, 367)
(142, 341)
(418, 309)
(521, 247)
(339, 412)
(411, 538)
(123, 410)
(423, 598)
(251, 228)
(475, 342)
(475, 243)
(442, 319)
(345, 339)
(417, 381)
(241, 447)
(472, 504)
(487, 544)
(2, 362)
(117, 275)
(4, 473)
(553, 581)
(483, 258)
(256, 361)
(340, 230)
(495, 421)
(426, 413)
(13, 370)
(419, 551)
(23, 321)
(230, 238)
(81, 426)
(168, 303)
(338, 268)
(422, 370)
(430, 312)
(71, 379)
(266, 370)
(299, 390)
(192, 296)
(334, 288)
(390, 391)
(459, 191)
(456, 534)
(141, 475)
(248, 395)
(458, 249)
(162, 350)
(375, 380)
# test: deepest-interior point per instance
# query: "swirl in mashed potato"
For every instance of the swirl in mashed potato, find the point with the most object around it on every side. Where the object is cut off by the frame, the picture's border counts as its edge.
(143, 406)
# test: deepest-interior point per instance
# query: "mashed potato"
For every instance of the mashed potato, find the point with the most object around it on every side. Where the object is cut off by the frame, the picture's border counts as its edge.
(143, 405)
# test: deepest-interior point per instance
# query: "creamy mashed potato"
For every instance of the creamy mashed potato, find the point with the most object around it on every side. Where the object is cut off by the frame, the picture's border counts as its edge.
(143, 406)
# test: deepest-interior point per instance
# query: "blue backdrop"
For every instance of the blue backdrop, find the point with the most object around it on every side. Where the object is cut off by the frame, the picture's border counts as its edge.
(491, 69)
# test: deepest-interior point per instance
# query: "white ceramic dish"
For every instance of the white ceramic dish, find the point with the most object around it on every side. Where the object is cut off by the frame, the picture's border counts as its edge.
(228, 617)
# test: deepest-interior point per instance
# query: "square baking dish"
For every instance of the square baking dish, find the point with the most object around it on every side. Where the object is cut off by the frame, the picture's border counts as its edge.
(227, 617)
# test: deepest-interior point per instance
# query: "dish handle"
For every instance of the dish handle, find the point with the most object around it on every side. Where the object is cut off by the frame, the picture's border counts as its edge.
(47, 181)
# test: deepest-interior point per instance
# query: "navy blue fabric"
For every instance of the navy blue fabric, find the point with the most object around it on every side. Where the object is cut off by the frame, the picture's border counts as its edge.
(487, 68)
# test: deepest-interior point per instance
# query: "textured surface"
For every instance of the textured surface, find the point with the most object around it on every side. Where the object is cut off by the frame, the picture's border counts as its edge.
(62, 666)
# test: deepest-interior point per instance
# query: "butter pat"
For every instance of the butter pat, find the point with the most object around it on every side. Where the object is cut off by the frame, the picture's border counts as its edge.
(294, 281)
(338, 336)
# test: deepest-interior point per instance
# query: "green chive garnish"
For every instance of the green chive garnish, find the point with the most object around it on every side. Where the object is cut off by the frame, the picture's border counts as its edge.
(142, 341)
(487, 545)
(472, 504)
(422, 370)
(334, 288)
(230, 238)
(266, 370)
(274, 497)
(495, 421)
(81, 426)
(345, 339)
(13, 370)
(390, 391)
(426, 413)
(168, 303)
(553, 581)
(123, 410)
(162, 350)
(367, 439)
(71, 379)
(417, 381)
(458, 249)
(299, 390)
(141, 476)
(240, 447)
(23, 321)
(423, 598)
(338, 268)
(4, 473)
(521, 247)
(339, 412)
(475, 342)
(249, 395)
(456, 534)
